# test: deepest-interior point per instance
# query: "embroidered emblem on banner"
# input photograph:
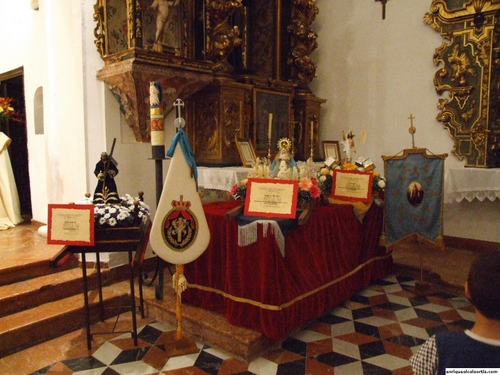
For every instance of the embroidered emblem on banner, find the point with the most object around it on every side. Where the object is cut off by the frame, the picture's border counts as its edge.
(180, 226)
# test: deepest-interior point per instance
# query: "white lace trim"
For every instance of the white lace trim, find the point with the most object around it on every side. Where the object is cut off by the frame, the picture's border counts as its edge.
(247, 234)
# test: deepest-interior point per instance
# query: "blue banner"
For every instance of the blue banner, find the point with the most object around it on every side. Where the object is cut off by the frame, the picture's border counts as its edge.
(413, 202)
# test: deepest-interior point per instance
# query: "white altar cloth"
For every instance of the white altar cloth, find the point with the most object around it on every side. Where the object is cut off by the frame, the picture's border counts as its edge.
(221, 178)
(471, 183)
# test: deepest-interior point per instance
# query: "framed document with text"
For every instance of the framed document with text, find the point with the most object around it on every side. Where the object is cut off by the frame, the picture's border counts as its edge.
(352, 186)
(71, 224)
(246, 152)
(272, 198)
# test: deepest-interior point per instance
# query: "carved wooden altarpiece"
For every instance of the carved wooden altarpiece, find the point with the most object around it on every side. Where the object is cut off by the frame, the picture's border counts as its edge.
(469, 61)
(218, 56)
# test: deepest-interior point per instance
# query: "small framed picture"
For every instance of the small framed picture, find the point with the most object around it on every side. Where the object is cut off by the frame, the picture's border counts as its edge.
(247, 153)
(331, 149)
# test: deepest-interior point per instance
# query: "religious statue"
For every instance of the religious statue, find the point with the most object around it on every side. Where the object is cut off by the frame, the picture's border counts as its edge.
(283, 164)
(162, 8)
(349, 146)
(105, 171)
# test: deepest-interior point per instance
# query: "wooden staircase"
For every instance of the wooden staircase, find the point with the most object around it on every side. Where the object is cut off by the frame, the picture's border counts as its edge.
(39, 303)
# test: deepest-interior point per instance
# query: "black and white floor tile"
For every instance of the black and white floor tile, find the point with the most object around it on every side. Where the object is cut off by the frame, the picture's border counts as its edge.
(374, 332)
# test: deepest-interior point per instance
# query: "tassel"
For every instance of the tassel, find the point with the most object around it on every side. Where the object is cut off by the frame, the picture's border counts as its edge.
(247, 234)
(181, 285)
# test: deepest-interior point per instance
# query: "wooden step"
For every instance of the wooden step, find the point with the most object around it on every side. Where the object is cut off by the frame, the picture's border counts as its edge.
(33, 268)
(33, 292)
(27, 328)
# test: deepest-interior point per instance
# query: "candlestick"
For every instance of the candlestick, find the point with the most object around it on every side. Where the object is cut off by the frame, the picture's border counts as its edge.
(312, 132)
(312, 138)
(270, 127)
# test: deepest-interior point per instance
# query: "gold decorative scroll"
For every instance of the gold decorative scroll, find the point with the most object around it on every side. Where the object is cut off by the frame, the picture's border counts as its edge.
(469, 75)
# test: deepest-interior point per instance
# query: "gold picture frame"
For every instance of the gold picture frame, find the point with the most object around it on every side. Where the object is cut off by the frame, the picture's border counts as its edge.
(247, 152)
(331, 148)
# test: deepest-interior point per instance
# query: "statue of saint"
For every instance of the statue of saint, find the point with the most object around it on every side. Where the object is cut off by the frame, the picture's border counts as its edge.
(105, 171)
(349, 146)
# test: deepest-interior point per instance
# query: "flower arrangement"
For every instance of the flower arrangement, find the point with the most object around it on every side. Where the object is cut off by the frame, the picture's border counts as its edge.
(239, 191)
(119, 215)
(325, 179)
(7, 111)
(378, 183)
(326, 176)
(307, 192)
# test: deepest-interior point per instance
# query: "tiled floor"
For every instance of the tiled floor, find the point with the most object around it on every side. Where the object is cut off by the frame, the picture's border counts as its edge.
(374, 332)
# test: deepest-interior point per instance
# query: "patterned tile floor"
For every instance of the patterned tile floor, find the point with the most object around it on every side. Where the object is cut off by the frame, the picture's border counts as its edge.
(374, 332)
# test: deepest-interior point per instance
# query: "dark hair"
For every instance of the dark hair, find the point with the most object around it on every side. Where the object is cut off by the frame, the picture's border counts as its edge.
(484, 284)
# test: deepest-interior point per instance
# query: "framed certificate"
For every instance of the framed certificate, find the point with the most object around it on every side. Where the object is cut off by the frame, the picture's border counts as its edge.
(247, 152)
(352, 185)
(71, 224)
(272, 198)
(331, 149)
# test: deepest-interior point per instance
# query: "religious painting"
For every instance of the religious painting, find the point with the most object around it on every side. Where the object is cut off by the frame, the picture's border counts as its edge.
(271, 119)
(162, 25)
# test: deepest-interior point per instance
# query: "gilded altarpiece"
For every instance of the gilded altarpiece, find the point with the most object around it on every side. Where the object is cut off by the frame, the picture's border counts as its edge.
(469, 74)
(213, 55)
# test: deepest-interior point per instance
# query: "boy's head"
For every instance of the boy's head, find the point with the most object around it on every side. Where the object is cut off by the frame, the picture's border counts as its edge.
(484, 285)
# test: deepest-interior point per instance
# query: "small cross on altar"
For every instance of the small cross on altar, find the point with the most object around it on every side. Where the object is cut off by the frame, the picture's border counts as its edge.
(412, 130)
(383, 7)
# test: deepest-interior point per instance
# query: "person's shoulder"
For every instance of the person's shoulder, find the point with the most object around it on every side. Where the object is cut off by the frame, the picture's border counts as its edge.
(447, 336)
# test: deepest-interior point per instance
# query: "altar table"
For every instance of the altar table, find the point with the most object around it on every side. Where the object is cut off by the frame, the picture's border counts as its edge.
(326, 261)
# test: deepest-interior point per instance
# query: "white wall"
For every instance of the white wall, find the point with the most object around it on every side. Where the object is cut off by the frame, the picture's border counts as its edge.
(374, 73)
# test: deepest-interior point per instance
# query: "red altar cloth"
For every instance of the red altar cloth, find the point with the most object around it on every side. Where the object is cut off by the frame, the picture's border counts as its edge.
(326, 261)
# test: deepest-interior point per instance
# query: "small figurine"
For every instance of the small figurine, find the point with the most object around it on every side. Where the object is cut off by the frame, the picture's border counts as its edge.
(283, 164)
(348, 143)
(105, 171)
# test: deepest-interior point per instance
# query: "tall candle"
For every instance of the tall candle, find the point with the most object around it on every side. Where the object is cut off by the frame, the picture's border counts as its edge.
(270, 126)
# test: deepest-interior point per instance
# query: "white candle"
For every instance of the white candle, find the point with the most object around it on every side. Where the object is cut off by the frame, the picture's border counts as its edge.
(270, 126)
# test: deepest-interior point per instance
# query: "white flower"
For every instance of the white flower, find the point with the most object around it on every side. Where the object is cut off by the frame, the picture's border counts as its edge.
(381, 183)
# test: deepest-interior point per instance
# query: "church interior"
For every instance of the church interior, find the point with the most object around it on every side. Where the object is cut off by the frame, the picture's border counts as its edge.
(110, 92)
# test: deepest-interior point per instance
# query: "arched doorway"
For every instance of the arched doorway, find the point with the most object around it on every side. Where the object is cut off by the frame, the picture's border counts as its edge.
(12, 85)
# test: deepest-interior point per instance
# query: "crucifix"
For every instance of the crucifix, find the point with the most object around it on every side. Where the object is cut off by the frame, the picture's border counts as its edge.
(383, 7)
(412, 130)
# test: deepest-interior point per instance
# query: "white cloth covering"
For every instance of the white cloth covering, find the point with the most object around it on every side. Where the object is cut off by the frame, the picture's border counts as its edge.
(221, 178)
(472, 183)
(10, 207)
